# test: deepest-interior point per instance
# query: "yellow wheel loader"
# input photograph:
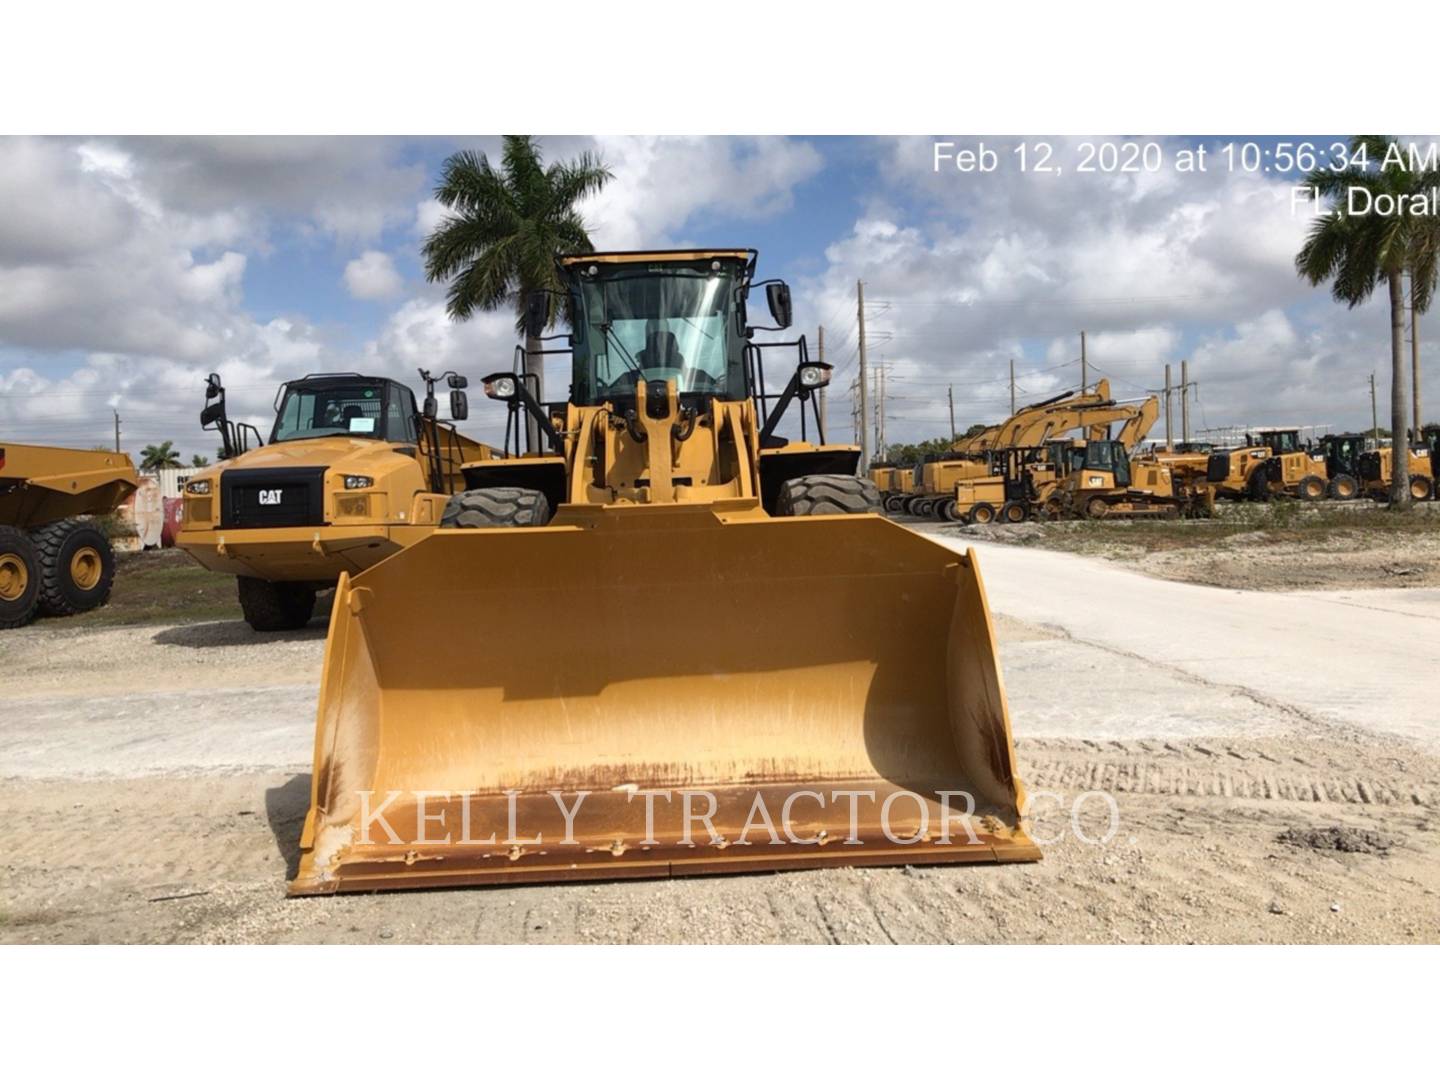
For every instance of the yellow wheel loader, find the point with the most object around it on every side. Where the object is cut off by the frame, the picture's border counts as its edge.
(53, 559)
(667, 640)
(354, 471)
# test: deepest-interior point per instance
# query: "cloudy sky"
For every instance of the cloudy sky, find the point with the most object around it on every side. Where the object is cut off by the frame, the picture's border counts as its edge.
(131, 268)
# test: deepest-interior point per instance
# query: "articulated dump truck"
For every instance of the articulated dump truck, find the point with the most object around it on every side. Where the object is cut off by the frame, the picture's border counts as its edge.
(666, 639)
(53, 560)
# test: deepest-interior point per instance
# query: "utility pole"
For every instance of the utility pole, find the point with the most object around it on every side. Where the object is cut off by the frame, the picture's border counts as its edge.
(880, 438)
(821, 356)
(1084, 374)
(1012, 387)
(864, 400)
(1185, 385)
(1374, 414)
(117, 429)
(1169, 419)
(950, 394)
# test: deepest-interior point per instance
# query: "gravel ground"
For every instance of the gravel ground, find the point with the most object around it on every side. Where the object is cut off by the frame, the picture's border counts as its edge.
(172, 813)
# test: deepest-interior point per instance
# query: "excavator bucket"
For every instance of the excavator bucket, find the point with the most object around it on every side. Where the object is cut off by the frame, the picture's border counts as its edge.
(655, 690)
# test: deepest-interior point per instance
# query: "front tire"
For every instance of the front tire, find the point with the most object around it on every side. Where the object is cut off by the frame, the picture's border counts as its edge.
(269, 606)
(1420, 488)
(1013, 513)
(19, 578)
(982, 514)
(496, 508)
(1311, 488)
(77, 566)
(815, 496)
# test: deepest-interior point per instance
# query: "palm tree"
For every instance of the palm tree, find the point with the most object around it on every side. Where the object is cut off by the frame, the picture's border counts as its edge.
(498, 245)
(198, 461)
(1356, 252)
(164, 456)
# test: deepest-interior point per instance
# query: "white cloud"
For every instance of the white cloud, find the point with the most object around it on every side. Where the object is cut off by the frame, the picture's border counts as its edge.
(373, 276)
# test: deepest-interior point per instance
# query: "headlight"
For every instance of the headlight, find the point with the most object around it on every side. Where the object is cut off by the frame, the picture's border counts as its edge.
(814, 375)
(198, 487)
(353, 483)
(500, 387)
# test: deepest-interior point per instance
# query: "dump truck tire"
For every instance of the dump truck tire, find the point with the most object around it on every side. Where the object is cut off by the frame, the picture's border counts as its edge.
(275, 605)
(982, 514)
(77, 566)
(811, 496)
(950, 511)
(1013, 512)
(892, 504)
(1311, 488)
(496, 508)
(1344, 486)
(19, 578)
(1420, 488)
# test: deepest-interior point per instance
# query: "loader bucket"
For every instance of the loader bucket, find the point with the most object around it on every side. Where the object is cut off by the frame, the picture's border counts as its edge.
(655, 690)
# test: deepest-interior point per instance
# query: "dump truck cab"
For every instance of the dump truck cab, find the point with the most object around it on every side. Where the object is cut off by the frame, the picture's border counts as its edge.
(353, 471)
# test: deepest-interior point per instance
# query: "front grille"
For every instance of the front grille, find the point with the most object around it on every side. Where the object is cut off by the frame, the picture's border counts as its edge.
(270, 498)
(1217, 468)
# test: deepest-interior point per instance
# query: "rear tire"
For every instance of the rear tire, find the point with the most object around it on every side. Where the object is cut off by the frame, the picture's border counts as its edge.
(1258, 486)
(950, 511)
(815, 496)
(922, 507)
(19, 578)
(1344, 487)
(275, 605)
(982, 514)
(496, 508)
(1013, 513)
(77, 566)
(891, 504)
(1311, 488)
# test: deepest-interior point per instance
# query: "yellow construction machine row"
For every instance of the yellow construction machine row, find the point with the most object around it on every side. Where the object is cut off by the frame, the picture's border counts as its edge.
(54, 558)
(653, 636)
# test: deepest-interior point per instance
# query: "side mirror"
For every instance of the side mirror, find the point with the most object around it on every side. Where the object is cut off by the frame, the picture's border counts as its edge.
(537, 313)
(459, 405)
(212, 414)
(777, 295)
(458, 382)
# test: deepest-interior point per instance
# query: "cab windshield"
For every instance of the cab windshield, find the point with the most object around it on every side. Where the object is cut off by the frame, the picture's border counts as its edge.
(660, 322)
(370, 409)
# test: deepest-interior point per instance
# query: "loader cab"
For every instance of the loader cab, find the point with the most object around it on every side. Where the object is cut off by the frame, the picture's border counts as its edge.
(1278, 440)
(1342, 454)
(670, 317)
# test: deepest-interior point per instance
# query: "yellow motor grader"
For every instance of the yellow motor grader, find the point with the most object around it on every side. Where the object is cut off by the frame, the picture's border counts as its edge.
(54, 559)
(667, 639)
(354, 471)
(1272, 462)
(1375, 475)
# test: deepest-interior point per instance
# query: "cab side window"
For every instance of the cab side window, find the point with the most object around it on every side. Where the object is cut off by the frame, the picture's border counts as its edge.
(401, 418)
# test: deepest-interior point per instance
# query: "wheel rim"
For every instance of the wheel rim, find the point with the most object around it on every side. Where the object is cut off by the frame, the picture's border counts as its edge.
(1345, 489)
(14, 577)
(86, 568)
(983, 516)
(1418, 489)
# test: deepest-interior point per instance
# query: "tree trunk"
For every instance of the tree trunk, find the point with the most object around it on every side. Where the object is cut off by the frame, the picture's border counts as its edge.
(1399, 407)
(535, 366)
(1415, 361)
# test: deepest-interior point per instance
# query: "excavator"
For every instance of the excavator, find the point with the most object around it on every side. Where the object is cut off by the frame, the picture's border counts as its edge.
(1028, 428)
(1025, 479)
(658, 636)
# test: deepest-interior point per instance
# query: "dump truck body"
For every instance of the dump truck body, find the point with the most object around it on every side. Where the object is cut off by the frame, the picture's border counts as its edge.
(708, 655)
(353, 473)
(52, 560)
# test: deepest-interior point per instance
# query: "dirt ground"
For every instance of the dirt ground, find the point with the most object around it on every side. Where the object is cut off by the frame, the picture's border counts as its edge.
(1311, 833)
(1280, 547)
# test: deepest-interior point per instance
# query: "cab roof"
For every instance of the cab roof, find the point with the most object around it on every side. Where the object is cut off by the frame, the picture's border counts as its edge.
(672, 255)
